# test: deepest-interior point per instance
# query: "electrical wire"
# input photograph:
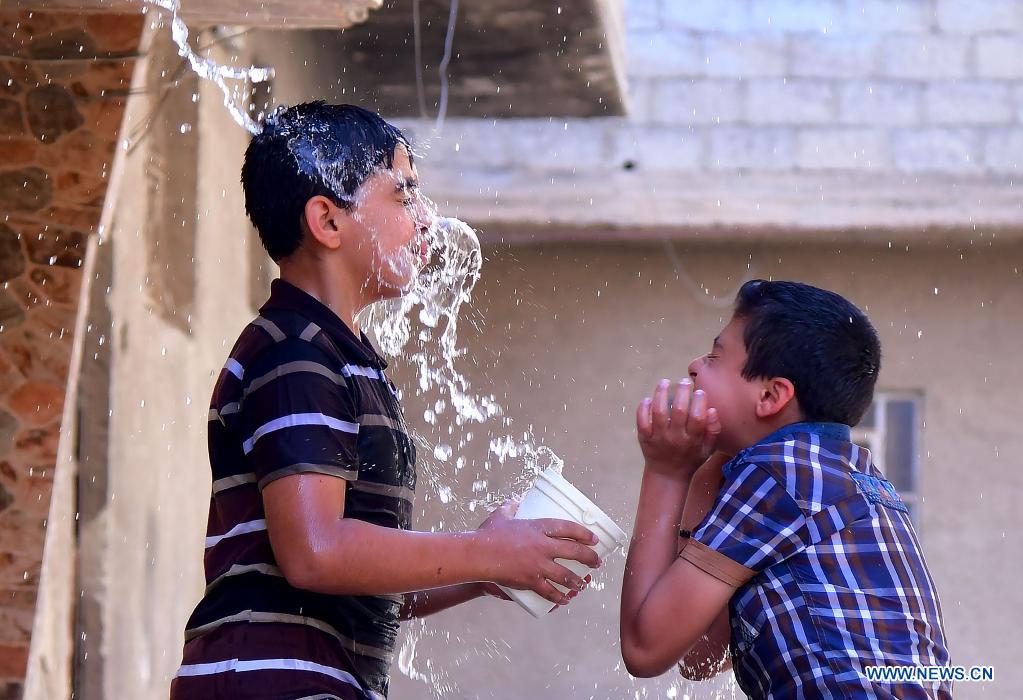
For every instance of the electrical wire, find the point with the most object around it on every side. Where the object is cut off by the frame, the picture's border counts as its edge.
(417, 41)
(442, 108)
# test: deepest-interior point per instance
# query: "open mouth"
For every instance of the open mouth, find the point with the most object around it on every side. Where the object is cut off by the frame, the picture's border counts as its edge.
(420, 249)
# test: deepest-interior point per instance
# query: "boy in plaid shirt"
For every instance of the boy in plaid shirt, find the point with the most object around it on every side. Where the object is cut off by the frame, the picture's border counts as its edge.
(802, 562)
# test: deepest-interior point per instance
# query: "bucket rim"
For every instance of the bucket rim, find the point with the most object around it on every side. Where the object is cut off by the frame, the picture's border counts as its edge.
(603, 520)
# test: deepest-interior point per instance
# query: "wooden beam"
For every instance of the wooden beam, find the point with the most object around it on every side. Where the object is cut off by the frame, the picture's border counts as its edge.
(277, 14)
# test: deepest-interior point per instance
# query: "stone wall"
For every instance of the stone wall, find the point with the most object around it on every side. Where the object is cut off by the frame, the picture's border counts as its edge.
(60, 113)
(811, 114)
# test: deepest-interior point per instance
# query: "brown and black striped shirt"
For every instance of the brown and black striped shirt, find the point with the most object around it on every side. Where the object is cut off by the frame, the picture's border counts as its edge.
(300, 393)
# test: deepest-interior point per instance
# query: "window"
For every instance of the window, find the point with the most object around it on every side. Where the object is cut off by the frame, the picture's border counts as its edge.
(890, 429)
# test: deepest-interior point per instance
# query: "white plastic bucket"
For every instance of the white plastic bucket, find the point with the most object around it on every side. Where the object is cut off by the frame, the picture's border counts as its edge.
(551, 496)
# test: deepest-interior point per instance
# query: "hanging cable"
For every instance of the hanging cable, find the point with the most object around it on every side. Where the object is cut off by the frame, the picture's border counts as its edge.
(442, 108)
(417, 38)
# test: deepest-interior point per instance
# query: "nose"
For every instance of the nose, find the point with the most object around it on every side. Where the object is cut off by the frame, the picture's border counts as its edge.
(424, 216)
(692, 367)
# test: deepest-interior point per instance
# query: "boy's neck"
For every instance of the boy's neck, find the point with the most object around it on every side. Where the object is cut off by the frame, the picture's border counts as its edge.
(335, 289)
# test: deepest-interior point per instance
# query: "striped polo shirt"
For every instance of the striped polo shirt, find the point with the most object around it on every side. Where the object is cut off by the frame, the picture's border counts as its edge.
(299, 394)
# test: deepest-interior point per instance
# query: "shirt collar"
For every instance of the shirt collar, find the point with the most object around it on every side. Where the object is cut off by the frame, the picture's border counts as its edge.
(285, 296)
(833, 431)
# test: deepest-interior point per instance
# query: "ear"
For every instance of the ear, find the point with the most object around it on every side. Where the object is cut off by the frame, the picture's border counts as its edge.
(323, 221)
(775, 394)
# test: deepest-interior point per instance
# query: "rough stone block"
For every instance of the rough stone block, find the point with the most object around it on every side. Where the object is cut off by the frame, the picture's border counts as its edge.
(12, 259)
(18, 151)
(37, 403)
(12, 122)
(56, 246)
(51, 113)
(115, 32)
(26, 189)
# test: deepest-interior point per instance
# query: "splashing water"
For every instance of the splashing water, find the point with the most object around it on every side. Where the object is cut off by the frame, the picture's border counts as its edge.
(216, 73)
(439, 293)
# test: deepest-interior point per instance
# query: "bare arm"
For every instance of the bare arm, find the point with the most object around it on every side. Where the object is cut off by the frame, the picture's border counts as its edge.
(667, 602)
(709, 655)
(319, 550)
(429, 602)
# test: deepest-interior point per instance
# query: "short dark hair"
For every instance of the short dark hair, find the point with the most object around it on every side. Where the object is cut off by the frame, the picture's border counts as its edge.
(816, 339)
(307, 150)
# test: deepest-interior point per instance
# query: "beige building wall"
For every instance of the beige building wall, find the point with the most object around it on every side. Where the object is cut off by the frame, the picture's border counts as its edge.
(574, 363)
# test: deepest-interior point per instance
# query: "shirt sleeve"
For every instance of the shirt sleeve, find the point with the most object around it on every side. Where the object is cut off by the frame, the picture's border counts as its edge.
(298, 415)
(754, 523)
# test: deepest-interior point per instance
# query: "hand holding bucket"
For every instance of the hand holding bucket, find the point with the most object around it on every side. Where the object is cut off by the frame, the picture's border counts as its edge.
(552, 496)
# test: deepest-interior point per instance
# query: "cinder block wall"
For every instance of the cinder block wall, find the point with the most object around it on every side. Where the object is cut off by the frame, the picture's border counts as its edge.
(876, 100)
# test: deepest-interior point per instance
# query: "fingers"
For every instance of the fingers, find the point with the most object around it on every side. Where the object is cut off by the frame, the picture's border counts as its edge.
(680, 404)
(556, 573)
(577, 552)
(660, 405)
(710, 438)
(644, 424)
(566, 530)
(546, 589)
(696, 423)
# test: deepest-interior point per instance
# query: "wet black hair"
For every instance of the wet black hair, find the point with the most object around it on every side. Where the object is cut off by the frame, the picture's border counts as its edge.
(307, 150)
(816, 339)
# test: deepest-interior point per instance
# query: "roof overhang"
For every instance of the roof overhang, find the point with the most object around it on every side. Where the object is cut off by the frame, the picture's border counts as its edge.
(291, 14)
(508, 58)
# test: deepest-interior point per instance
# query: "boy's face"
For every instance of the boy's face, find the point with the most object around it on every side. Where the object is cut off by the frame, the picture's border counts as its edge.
(390, 221)
(719, 374)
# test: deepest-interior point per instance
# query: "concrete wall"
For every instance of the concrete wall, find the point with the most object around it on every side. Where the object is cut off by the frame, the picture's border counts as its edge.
(574, 363)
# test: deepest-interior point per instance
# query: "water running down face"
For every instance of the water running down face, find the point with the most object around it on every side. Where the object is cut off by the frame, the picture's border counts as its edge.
(389, 235)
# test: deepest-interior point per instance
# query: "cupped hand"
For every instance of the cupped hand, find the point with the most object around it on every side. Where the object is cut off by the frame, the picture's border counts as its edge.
(676, 439)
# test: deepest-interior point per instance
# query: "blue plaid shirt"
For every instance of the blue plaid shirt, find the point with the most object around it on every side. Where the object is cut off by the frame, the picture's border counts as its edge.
(831, 577)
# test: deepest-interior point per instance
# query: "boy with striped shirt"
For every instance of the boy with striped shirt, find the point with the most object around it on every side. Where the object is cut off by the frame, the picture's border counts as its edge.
(310, 558)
